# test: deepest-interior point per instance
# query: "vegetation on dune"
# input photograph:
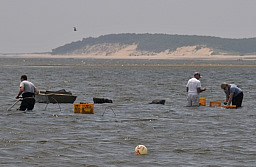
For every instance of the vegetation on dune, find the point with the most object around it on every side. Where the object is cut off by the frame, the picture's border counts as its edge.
(162, 42)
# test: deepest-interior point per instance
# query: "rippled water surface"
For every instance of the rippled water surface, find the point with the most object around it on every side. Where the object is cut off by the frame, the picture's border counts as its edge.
(175, 135)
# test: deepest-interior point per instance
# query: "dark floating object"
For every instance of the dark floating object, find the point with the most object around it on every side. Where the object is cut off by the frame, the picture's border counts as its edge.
(75, 29)
(158, 102)
(101, 100)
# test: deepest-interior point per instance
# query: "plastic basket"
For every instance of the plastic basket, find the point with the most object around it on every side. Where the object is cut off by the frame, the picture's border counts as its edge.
(84, 108)
(202, 101)
(215, 104)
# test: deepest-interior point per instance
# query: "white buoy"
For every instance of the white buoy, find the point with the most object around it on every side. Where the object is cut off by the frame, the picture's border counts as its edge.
(141, 149)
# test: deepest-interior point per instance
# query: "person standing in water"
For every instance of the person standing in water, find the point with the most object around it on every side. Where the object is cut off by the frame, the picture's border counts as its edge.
(194, 88)
(28, 91)
(233, 93)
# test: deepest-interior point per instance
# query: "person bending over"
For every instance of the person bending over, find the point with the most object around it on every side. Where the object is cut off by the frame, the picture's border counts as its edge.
(233, 93)
(28, 91)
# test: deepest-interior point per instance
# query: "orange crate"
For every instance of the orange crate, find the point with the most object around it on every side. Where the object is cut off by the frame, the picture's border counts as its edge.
(215, 104)
(229, 106)
(202, 101)
(84, 108)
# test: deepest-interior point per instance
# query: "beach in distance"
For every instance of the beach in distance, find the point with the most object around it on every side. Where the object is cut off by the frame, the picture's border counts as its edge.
(130, 52)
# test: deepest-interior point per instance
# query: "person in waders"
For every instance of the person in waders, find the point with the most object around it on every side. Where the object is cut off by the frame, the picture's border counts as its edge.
(28, 91)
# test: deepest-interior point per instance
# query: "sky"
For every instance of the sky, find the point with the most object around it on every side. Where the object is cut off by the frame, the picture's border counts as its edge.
(35, 26)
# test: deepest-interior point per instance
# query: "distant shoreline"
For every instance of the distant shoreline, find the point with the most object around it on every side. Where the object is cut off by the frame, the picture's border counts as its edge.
(225, 61)
(167, 57)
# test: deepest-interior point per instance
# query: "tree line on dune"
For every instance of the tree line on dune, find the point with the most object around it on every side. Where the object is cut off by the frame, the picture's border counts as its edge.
(161, 42)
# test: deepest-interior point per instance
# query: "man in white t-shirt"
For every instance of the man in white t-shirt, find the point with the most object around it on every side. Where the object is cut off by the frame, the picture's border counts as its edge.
(194, 88)
(28, 91)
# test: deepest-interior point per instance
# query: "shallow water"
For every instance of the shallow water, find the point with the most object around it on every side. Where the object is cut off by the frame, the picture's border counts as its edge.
(175, 135)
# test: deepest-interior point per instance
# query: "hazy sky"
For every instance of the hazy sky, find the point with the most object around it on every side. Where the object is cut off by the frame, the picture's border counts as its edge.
(29, 26)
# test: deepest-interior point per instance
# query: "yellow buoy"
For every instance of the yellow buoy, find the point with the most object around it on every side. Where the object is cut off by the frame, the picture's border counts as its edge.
(141, 149)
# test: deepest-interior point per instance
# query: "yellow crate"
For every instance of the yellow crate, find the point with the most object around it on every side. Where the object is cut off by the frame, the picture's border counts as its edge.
(202, 101)
(84, 108)
(215, 104)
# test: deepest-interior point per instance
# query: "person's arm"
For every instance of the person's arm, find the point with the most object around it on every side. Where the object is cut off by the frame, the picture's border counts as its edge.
(203, 89)
(36, 91)
(199, 90)
(226, 100)
(20, 92)
(230, 98)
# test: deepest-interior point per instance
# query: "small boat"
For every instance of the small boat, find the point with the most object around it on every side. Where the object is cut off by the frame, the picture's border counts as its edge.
(60, 96)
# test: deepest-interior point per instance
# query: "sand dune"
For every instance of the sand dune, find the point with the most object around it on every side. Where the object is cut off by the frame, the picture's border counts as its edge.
(130, 52)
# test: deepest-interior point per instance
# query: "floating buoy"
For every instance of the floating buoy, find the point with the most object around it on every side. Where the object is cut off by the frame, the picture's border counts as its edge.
(141, 149)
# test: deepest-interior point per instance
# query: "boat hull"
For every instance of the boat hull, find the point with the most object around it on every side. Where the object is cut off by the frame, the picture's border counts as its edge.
(55, 97)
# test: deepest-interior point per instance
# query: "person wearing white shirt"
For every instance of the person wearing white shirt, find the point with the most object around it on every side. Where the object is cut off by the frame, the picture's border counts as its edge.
(28, 91)
(194, 88)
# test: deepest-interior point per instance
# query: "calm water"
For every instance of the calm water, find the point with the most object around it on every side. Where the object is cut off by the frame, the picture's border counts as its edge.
(175, 135)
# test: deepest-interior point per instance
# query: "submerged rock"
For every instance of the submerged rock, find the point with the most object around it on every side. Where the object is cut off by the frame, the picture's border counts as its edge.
(101, 100)
(157, 101)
